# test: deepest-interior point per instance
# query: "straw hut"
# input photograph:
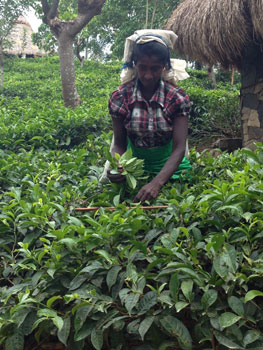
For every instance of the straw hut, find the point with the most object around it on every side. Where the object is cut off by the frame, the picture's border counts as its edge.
(21, 38)
(229, 32)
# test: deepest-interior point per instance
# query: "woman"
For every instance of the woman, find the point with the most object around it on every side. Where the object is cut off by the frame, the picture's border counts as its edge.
(149, 114)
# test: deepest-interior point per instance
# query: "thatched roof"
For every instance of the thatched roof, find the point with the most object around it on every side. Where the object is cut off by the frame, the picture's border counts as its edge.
(213, 31)
(21, 38)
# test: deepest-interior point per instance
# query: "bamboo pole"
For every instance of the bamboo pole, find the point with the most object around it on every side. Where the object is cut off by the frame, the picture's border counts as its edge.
(153, 207)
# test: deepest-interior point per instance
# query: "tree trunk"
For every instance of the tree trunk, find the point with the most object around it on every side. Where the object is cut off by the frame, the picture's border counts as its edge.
(1, 67)
(212, 76)
(153, 14)
(252, 96)
(67, 71)
(147, 14)
(79, 57)
(233, 75)
(65, 32)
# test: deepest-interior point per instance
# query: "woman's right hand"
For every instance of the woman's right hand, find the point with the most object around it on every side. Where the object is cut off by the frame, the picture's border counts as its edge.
(116, 178)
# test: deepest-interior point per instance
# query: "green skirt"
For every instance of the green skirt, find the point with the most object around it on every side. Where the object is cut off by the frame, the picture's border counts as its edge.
(155, 158)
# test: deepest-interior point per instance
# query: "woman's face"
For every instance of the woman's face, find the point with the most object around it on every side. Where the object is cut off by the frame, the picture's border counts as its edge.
(149, 70)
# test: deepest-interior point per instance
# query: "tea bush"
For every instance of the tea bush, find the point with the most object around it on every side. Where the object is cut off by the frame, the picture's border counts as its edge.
(185, 277)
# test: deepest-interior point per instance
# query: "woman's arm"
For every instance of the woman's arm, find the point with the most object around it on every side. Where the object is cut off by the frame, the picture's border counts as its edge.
(119, 146)
(152, 189)
(120, 137)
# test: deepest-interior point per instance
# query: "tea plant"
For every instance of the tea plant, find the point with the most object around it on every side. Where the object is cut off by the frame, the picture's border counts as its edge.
(186, 277)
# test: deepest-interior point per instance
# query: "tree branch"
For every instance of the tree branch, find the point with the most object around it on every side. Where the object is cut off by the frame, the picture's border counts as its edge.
(87, 9)
(53, 12)
(85, 6)
(50, 12)
(45, 7)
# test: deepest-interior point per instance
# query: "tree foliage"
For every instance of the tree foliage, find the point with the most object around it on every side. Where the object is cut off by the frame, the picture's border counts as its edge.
(117, 20)
(66, 19)
(120, 19)
(10, 10)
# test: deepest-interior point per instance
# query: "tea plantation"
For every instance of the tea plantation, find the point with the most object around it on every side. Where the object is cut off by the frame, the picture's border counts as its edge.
(188, 277)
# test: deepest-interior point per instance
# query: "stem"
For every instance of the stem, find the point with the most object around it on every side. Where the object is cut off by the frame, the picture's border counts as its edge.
(113, 208)
(213, 340)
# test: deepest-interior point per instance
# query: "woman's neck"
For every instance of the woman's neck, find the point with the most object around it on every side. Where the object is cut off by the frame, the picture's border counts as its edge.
(148, 93)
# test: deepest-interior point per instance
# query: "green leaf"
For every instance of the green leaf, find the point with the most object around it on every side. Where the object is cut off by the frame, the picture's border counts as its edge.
(81, 315)
(97, 338)
(63, 333)
(69, 242)
(131, 300)
(209, 298)
(147, 302)
(177, 329)
(112, 276)
(116, 200)
(27, 325)
(58, 322)
(131, 181)
(15, 341)
(51, 300)
(253, 294)
(125, 156)
(174, 286)
(236, 305)
(250, 337)
(180, 305)
(226, 342)
(77, 281)
(231, 258)
(104, 254)
(46, 313)
(84, 332)
(75, 221)
(131, 273)
(227, 319)
(187, 287)
(145, 325)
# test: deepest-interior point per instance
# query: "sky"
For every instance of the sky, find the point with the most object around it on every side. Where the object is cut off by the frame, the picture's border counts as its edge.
(33, 20)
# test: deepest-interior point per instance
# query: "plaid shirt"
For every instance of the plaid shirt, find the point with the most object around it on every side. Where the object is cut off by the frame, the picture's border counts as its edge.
(149, 123)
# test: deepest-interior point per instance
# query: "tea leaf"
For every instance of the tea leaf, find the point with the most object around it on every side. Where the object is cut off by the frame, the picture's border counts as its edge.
(223, 340)
(145, 325)
(15, 341)
(63, 333)
(187, 287)
(252, 294)
(112, 276)
(236, 305)
(97, 338)
(209, 298)
(177, 329)
(147, 302)
(250, 337)
(227, 319)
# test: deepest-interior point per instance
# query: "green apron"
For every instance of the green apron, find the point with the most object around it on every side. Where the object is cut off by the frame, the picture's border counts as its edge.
(155, 158)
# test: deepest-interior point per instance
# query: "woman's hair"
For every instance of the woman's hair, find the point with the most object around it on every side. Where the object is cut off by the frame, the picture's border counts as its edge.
(152, 48)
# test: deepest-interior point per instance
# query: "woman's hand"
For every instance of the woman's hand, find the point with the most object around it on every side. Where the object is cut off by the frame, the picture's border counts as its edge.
(148, 192)
(116, 178)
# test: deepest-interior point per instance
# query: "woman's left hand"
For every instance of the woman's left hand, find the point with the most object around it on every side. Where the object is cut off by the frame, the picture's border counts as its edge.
(148, 192)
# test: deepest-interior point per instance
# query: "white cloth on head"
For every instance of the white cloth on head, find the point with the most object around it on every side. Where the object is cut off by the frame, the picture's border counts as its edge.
(177, 70)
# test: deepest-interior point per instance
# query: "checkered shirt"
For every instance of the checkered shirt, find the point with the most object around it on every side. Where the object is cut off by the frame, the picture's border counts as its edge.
(149, 124)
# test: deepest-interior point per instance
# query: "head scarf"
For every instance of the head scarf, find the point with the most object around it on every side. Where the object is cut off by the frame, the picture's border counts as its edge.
(172, 74)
